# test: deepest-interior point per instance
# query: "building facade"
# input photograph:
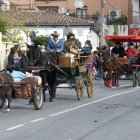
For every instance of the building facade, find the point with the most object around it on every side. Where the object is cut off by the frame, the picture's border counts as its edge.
(136, 11)
(86, 8)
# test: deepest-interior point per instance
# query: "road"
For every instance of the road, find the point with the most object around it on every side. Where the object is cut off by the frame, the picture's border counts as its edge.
(111, 114)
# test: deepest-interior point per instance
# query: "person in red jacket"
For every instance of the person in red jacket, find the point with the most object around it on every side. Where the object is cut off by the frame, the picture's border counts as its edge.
(131, 53)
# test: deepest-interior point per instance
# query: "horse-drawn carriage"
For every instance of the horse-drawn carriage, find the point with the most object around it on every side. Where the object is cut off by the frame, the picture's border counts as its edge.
(74, 72)
(26, 88)
(132, 69)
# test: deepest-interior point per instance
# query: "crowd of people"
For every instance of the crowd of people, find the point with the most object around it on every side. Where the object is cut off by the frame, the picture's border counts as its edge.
(17, 61)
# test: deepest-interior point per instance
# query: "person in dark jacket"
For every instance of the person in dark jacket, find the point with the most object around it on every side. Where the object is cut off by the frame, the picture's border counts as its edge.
(16, 61)
(118, 50)
(71, 42)
(86, 50)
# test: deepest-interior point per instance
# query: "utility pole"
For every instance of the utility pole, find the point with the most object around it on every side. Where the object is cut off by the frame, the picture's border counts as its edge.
(102, 22)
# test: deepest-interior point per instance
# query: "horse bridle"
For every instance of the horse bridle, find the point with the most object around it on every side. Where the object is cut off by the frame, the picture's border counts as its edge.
(110, 57)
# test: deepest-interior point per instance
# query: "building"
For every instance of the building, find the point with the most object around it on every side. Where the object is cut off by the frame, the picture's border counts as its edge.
(136, 11)
(86, 8)
(46, 22)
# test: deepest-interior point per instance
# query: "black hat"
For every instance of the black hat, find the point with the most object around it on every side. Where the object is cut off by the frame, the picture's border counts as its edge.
(118, 43)
(130, 44)
(71, 34)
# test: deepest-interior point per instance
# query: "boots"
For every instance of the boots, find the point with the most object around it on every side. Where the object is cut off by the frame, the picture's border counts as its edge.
(109, 83)
(117, 82)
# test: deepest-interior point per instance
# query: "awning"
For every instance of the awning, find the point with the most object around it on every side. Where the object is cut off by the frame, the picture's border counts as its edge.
(118, 38)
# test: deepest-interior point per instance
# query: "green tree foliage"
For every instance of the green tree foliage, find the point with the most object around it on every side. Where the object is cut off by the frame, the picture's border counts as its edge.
(5, 24)
(41, 40)
(119, 21)
(13, 36)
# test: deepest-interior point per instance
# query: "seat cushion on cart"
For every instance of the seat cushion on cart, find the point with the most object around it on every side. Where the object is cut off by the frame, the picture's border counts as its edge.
(18, 76)
(123, 60)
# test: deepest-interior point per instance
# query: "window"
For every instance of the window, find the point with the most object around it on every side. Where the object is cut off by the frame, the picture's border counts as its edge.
(49, 8)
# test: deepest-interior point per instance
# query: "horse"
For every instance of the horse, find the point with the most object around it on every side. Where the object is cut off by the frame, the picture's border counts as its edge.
(6, 88)
(48, 73)
(112, 67)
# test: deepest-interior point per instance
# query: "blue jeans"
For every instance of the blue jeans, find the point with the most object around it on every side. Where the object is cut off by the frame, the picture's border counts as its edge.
(132, 59)
(100, 72)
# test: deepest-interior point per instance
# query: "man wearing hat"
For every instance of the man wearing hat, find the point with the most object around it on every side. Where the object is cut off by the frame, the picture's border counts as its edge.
(71, 42)
(55, 44)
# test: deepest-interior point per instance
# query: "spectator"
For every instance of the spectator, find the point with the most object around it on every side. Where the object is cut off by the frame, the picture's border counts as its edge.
(32, 35)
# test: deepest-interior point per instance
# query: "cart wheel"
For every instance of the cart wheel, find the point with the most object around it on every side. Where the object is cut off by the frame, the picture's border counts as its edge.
(2, 101)
(79, 87)
(90, 83)
(38, 97)
(134, 80)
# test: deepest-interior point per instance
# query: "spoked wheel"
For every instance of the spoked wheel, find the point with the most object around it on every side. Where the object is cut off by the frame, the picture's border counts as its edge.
(134, 79)
(90, 83)
(38, 97)
(2, 101)
(79, 87)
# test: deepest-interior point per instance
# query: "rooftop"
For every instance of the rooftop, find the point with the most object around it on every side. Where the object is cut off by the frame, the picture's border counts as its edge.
(43, 17)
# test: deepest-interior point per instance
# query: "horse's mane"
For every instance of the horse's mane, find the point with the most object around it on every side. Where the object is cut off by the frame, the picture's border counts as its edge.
(42, 58)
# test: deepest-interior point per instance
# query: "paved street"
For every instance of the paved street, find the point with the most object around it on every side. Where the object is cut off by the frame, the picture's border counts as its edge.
(111, 114)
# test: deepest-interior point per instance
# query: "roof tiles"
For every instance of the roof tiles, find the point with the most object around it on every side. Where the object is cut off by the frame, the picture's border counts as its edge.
(40, 17)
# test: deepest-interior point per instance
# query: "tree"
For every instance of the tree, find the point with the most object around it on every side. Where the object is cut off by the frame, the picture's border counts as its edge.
(5, 24)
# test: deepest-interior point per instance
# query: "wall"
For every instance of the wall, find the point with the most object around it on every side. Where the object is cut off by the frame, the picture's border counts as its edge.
(82, 33)
(93, 6)
(121, 29)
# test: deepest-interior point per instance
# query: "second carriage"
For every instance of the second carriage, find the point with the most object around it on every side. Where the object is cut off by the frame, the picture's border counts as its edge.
(134, 67)
(74, 72)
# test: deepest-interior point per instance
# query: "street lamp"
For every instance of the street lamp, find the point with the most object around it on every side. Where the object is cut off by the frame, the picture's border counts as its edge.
(102, 22)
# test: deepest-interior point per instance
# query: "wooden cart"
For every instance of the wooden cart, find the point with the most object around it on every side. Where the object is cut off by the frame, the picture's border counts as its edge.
(75, 74)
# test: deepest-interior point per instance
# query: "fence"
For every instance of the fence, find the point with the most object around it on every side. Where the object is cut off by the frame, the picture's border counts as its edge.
(4, 52)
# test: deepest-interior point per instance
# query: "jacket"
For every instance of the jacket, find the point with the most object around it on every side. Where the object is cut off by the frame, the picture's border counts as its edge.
(86, 50)
(52, 45)
(118, 51)
(20, 66)
(74, 42)
(131, 52)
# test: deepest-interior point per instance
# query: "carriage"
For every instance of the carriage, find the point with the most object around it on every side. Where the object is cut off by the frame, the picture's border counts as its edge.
(74, 72)
(27, 89)
(135, 68)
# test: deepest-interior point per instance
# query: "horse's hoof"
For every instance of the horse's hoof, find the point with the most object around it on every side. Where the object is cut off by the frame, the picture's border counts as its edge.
(44, 101)
(51, 100)
(8, 109)
(31, 101)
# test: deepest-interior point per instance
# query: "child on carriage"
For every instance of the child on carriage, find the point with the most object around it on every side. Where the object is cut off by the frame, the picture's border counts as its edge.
(86, 50)
(131, 53)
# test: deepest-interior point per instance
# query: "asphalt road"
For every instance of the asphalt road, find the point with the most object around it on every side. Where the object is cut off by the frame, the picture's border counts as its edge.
(111, 114)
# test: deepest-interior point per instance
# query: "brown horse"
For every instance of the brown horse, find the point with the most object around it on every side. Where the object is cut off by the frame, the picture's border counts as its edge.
(112, 67)
(6, 88)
